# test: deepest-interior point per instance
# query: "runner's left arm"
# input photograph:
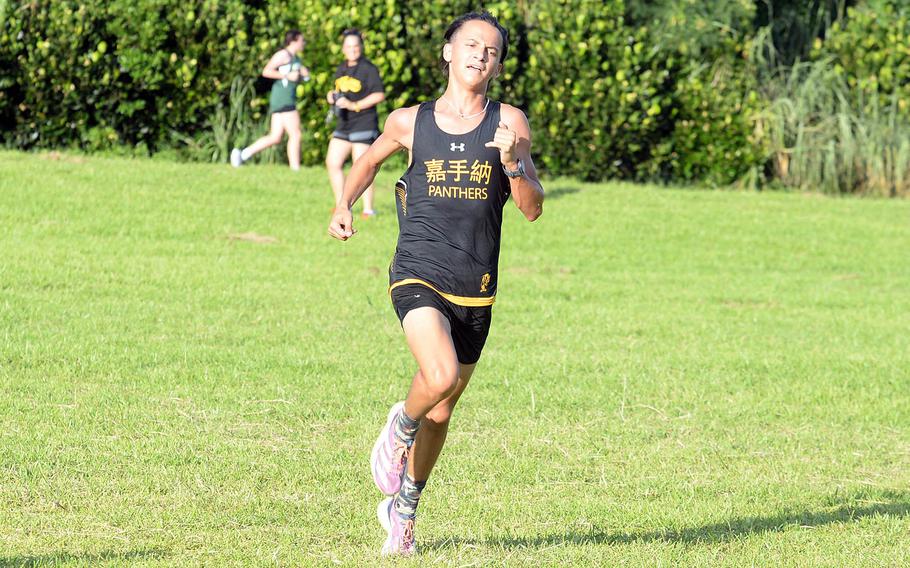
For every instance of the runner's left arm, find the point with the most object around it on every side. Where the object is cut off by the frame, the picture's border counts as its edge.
(513, 139)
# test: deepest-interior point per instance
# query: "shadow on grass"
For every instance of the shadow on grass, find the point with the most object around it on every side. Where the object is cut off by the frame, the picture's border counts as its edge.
(715, 533)
(84, 559)
(558, 192)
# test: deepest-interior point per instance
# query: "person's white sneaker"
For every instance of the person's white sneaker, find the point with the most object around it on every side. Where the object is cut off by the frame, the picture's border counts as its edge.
(236, 158)
(389, 458)
(400, 539)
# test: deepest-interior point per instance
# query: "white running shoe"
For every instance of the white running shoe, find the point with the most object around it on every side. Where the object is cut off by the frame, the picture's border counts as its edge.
(389, 458)
(400, 539)
(236, 158)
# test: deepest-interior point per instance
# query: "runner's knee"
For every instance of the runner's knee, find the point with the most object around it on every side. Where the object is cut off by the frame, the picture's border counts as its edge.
(441, 380)
(333, 163)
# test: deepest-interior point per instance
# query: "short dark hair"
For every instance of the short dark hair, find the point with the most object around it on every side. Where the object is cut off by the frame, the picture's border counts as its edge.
(483, 16)
(352, 32)
(291, 35)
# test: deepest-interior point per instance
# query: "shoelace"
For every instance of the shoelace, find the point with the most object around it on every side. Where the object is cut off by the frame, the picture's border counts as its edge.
(407, 537)
(400, 456)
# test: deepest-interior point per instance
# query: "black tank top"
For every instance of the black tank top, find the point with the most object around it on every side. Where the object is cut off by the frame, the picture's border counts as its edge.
(450, 204)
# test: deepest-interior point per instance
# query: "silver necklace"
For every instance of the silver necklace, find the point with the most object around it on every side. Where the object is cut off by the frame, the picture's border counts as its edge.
(463, 116)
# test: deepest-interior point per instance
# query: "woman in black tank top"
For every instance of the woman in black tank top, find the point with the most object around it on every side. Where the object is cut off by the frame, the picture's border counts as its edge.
(467, 156)
(355, 93)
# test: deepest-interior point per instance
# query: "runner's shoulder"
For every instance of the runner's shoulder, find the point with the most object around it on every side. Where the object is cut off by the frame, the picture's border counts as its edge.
(367, 63)
(402, 120)
(282, 55)
(511, 113)
(515, 118)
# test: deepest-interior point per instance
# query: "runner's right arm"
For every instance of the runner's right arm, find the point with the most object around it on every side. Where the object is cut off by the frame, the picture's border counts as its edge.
(397, 135)
(270, 71)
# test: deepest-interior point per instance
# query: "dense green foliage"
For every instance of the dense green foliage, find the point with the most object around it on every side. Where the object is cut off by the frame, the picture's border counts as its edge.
(794, 25)
(664, 90)
(593, 90)
(824, 135)
(710, 97)
(100, 73)
(870, 49)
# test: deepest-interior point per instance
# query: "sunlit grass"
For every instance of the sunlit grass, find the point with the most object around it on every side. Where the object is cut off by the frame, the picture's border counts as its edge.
(193, 373)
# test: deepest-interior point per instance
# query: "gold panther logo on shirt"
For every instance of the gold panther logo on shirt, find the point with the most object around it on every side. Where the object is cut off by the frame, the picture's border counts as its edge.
(402, 191)
(348, 84)
(484, 282)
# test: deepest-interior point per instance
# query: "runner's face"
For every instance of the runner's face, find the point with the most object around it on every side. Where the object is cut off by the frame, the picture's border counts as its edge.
(351, 48)
(297, 45)
(474, 51)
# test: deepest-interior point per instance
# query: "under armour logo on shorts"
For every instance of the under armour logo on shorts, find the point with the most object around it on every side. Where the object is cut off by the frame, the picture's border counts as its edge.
(459, 147)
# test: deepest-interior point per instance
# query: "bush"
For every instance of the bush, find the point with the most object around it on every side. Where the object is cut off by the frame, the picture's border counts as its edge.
(708, 134)
(870, 50)
(794, 25)
(96, 74)
(592, 88)
(664, 90)
(838, 123)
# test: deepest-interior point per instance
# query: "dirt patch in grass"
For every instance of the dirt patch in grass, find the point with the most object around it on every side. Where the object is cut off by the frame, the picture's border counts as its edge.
(252, 237)
(56, 156)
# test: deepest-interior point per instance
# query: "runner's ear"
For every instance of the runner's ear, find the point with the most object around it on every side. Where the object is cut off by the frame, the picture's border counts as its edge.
(447, 52)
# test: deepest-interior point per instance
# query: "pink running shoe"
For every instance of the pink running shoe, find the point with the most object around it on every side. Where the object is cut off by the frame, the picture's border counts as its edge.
(400, 541)
(389, 460)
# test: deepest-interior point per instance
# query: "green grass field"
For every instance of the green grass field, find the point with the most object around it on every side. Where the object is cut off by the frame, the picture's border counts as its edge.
(673, 377)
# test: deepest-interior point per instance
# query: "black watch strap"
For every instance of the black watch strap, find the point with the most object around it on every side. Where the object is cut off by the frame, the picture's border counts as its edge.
(515, 173)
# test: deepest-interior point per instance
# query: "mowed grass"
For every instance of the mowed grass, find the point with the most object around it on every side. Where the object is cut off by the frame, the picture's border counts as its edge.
(672, 377)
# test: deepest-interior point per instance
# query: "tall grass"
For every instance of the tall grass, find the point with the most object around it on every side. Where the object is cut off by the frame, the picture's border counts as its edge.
(824, 136)
(232, 125)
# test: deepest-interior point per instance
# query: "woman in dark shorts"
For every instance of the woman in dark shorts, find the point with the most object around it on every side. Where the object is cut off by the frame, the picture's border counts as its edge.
(287, 71)
(468, 155)
(358, 89)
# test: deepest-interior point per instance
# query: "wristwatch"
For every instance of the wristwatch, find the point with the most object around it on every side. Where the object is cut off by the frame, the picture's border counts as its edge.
(515, 173)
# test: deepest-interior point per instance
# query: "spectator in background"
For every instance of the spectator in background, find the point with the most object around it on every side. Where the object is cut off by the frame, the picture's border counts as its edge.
(358, 89)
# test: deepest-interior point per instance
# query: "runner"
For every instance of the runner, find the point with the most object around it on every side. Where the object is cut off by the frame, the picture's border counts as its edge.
(287, 71)
(467, 156)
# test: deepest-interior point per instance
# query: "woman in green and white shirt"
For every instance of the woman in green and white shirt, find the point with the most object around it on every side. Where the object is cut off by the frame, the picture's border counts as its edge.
(287, 71)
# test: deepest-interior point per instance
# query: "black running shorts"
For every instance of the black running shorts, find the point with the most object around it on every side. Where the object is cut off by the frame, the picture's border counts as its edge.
(470, 325)
(286, 108)
(359, 137)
